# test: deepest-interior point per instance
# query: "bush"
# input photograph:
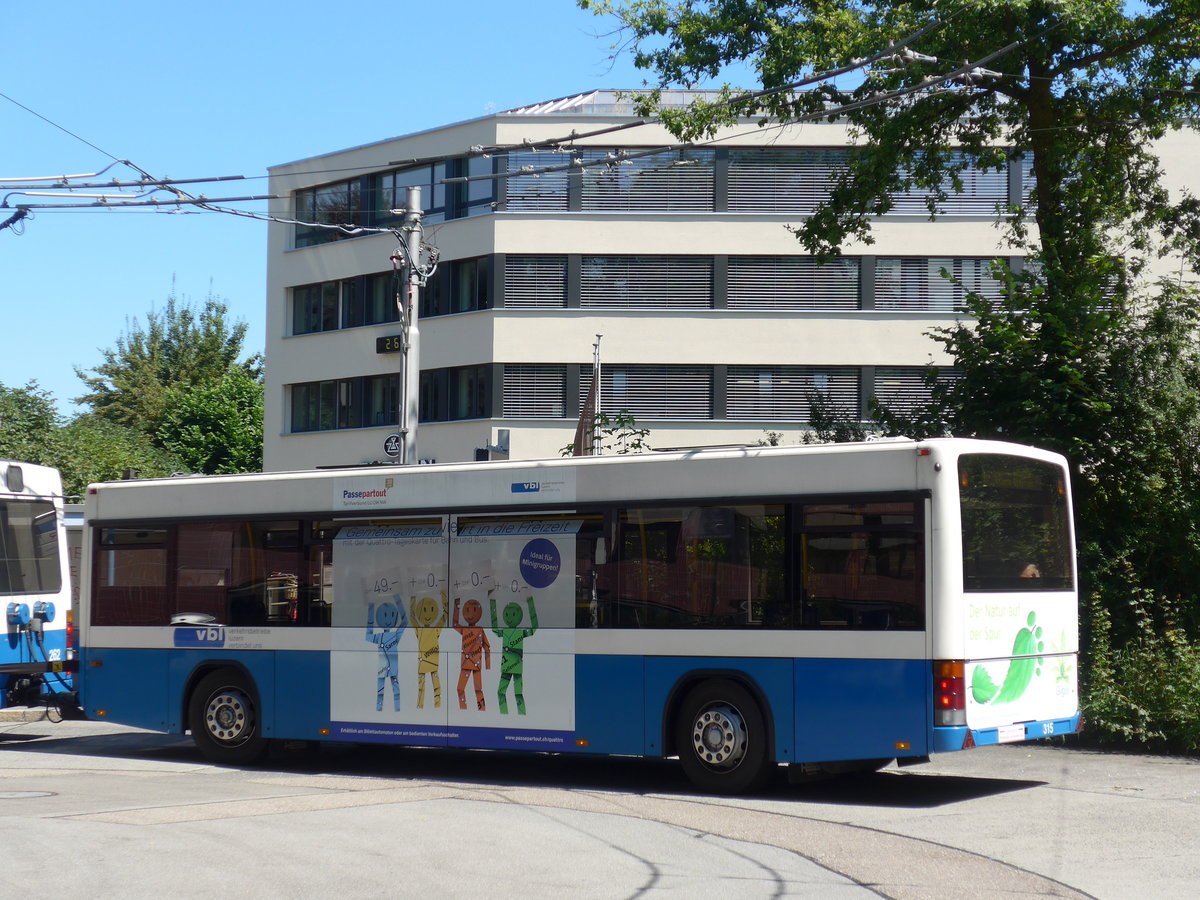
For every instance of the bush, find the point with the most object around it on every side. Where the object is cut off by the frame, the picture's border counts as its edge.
(1146, 692)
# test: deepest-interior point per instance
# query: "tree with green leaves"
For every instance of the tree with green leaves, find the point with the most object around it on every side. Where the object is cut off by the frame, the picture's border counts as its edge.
(91, 448)
(29, 421)
(182, 382)
(179, 347)
(1083, 90)
(85, 449)
(1087, 353)
(216, 427)
(618, 432)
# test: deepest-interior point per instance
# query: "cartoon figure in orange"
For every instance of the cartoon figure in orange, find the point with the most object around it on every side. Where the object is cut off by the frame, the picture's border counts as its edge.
(428, 626)
(475, 650)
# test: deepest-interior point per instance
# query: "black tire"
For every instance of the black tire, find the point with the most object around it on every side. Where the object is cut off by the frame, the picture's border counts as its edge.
(721, 738)
(223, 714)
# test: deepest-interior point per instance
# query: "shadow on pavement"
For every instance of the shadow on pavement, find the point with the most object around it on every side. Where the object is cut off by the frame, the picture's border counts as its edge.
(889, 788)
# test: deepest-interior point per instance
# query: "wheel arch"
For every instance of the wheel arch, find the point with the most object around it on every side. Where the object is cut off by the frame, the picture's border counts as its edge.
(207, 667)
(688, 680)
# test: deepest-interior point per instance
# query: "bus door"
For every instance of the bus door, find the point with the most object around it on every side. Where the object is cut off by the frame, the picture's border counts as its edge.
(389, 623)
(510, 666)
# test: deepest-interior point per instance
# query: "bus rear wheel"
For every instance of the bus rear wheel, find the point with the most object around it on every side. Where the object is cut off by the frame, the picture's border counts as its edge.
(721, 738)
(224, 718)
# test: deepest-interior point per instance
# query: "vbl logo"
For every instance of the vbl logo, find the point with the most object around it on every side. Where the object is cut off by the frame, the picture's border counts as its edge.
(208, 636)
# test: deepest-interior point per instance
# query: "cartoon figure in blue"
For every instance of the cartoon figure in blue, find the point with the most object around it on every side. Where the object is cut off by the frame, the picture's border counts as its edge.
(385, 627)
(512, 663)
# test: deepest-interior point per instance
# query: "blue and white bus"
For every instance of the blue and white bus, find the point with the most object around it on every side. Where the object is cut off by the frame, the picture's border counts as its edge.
(35, 588)
(821, 607)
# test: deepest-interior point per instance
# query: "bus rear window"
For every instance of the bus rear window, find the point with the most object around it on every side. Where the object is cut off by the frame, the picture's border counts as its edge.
(1015, 524)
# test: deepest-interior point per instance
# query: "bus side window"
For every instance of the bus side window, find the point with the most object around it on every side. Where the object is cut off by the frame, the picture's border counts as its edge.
(316, 587)
(861, 564)
(131, 577)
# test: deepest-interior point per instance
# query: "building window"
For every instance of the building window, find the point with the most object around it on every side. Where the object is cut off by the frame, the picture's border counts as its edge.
(902, 389)
(478, 195)
(330, 305)
(917, 283)
(534, 391)
(792, 283)
(379, 200)
(470, 392)
(983, 191)
(646, 282)
(449, 395)
(629, 182)
(786, 393)
(341, 203)
(390, 193)
(462, 285)
(535, 281)
(653, 392)
(543, 192)
(370, 400)
(783, 180)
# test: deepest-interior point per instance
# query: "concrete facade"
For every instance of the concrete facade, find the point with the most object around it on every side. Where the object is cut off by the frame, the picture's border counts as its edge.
(728, 340)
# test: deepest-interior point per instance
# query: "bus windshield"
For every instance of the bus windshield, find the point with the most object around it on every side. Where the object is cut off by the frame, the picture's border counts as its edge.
(28, 548)
(1015, 524)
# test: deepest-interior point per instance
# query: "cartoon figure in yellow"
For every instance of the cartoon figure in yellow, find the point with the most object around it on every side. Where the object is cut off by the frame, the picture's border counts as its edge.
(428, 625)
(476, 651)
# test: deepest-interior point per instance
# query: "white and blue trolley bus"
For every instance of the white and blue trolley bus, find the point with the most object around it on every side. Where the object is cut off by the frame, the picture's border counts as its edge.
(35, 588)
(827, 608)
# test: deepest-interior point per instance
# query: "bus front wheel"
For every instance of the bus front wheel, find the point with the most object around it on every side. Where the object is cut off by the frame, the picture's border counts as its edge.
(224, 718)
(721, 738)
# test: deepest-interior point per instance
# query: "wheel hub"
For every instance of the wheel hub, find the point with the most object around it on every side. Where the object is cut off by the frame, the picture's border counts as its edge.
(228, 717)
(719, 736)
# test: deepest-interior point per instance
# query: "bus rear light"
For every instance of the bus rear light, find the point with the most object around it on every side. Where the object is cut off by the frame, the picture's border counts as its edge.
(949, 692)
(71, 629)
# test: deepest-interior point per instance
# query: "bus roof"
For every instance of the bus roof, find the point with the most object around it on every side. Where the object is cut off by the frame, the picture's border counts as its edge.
(384, 490)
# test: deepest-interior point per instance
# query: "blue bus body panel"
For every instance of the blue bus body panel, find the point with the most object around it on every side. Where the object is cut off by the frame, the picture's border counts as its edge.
(301, 692)
(15, 648)
(861, 708)
(259, 665)
(771, 678)
(610, 706)
(131, 686)
(820, 709)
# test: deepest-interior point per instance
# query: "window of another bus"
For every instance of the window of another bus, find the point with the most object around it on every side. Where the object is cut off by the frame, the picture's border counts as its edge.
(1015, 524)
(29, 547)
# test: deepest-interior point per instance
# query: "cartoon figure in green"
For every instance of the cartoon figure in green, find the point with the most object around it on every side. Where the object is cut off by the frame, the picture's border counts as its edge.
(512, 663)
(428, 626)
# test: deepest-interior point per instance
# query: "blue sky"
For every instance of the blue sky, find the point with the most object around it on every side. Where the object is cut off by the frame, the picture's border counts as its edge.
(224, 88)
